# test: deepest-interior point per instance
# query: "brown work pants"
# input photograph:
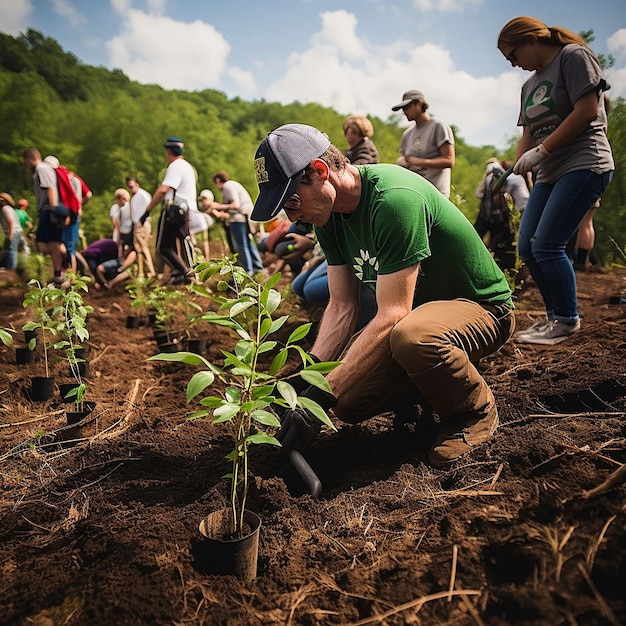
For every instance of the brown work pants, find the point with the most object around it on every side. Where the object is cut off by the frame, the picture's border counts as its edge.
(434, 348)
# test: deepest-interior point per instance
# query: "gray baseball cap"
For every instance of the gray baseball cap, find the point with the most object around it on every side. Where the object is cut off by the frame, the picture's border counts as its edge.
(279, 163)
(407, 97)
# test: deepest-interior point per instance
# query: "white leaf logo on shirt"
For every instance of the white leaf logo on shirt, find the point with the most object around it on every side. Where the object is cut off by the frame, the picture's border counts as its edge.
(365, 267)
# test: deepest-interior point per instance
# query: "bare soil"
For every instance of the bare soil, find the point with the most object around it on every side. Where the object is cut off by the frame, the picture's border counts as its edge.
(98, 524)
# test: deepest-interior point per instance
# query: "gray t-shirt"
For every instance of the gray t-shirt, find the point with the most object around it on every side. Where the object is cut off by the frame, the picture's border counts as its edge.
(547, 98)
(424, 142)
(45, 178)
(234, 190)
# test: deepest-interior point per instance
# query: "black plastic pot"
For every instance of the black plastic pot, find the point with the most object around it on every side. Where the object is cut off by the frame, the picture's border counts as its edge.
(198, 346)
(64, 389)
(41, 388)
(29, 335)
(73, 417)
(132, 321)
(168, 347)
(219, 552)
(24, 356)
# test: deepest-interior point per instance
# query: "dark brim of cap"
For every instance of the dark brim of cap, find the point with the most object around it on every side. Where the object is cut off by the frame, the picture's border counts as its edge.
(272, 199)
(401, 105)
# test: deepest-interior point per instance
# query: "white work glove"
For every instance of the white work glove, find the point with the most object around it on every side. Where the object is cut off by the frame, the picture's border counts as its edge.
(530, 159)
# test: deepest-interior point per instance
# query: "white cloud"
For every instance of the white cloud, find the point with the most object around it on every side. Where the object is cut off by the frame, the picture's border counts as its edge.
(339, 29)
(445, 6)
(617, 42)
(14, 16)
(68, 12)
(616, 76)
(374, 80)
(173, 54)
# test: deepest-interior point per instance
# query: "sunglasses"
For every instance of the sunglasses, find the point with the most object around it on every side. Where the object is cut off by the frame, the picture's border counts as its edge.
(511, 56)
(293, 203)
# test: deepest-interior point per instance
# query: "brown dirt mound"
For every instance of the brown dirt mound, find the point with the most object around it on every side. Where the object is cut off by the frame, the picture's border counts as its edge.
(102, 530)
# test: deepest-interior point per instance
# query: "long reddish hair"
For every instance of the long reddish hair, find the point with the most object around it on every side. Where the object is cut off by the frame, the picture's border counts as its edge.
(527, 29)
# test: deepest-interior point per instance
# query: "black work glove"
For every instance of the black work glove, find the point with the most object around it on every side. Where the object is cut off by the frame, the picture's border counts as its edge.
(299, 427)
(144, 217)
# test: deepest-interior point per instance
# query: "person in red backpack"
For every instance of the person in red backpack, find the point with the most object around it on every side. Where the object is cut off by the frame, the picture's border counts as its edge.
(73, 193)
(52, 214)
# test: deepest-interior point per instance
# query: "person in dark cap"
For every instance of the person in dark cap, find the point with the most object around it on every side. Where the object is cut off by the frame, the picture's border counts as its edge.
(443, 303)
(177, 193)
(427, 146)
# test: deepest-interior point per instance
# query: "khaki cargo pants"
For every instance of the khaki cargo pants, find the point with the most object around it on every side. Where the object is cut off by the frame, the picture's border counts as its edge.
(434, 348)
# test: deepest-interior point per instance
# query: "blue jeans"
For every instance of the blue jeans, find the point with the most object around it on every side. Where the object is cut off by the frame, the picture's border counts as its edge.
(9, 258)
(70, 236)
(247, 253)
(312, 285)
(549, 220)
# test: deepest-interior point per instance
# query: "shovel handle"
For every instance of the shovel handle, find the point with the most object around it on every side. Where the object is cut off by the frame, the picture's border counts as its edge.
(306, 473)
(500, 182)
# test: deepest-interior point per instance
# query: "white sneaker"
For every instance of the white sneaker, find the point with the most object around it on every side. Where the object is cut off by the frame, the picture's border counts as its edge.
(554, 332)
(537, 326)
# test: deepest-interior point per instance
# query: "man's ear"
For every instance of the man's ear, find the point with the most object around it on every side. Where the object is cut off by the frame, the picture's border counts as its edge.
(321, 168)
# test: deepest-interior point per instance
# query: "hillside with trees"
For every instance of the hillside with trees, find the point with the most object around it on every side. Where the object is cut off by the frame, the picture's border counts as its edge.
(105, 126)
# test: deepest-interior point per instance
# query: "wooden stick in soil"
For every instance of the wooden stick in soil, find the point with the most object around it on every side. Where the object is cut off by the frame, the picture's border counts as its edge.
(606, 610)
(377, 619)
(536, 416)
(455, 553)
(617, 478)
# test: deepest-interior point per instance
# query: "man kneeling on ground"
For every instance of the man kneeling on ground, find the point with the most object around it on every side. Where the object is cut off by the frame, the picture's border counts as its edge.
(442, 301)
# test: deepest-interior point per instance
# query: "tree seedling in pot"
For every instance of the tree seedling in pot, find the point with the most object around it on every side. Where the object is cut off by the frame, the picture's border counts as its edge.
(243, 395)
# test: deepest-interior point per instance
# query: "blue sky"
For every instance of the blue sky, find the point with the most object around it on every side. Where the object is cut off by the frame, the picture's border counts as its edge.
(357, 56)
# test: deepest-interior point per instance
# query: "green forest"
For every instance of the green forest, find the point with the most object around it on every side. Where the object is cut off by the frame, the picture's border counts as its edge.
(106, 127)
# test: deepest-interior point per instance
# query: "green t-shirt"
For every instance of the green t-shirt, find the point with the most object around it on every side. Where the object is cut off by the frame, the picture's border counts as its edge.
(23, 217)
(402, 219)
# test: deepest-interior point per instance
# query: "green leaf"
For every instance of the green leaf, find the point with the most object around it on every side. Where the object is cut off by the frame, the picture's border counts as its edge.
(240, 307)
(279, 361)
(197, 414)
(277, 324)
(212, 401)
(324, 366)
(266, 346)
(299, 333)
(266, 325)
(220, 320)
(5, 337)
(316, 379)
(287, 392)
(244, 349)
(260, 438)
(198, 383)
(273, 301)
(272, 280)
(225, 412)
(317, 410)
(266, 418)
(190, 358)
(262, 392)
(233, 395)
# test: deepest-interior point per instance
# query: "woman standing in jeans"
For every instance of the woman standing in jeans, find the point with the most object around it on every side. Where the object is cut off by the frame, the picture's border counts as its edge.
(564, 141)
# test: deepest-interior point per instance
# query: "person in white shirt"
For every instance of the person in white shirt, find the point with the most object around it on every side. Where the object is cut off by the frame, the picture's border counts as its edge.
(178, 189)
(141, 232)
(235, 209)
